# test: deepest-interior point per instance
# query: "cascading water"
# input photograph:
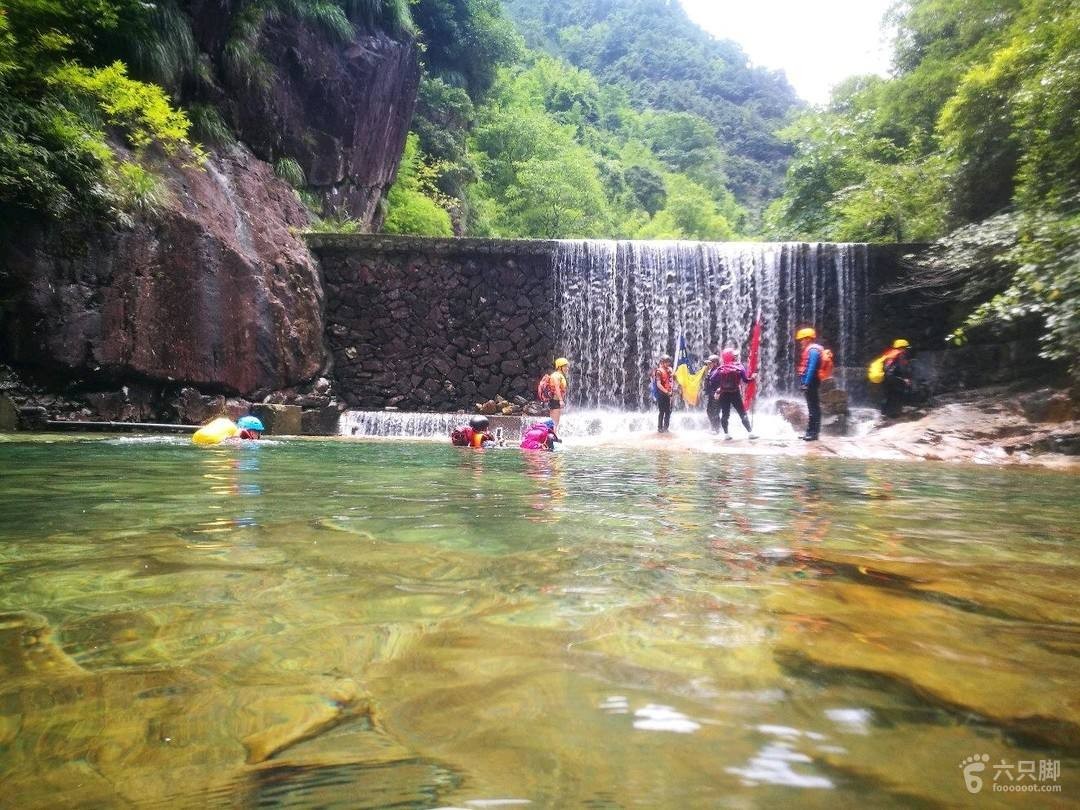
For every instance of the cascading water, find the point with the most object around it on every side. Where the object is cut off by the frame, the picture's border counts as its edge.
(399, 424)
(622, 304)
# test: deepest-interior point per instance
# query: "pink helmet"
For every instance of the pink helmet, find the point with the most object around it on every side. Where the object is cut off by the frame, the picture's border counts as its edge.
(728, 356)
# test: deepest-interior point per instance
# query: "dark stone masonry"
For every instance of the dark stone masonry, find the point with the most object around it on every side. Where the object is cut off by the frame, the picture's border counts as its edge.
(436, 324)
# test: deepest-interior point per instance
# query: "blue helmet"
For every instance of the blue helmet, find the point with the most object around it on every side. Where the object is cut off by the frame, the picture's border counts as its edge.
(250, 423)
(549, 423)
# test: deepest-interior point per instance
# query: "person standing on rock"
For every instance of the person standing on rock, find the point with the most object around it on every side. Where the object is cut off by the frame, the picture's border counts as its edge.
(552, 389)
(814, 365)
(730, 375)
(663, 379)
(898, 378)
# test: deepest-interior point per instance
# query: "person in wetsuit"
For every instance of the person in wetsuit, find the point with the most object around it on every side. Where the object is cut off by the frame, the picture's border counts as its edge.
(729, 376)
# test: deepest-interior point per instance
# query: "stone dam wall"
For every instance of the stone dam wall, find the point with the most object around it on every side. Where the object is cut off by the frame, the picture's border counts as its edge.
(441, 324)
(429, 324)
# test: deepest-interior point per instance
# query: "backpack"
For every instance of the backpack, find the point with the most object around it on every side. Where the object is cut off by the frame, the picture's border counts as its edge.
(875, 372)
(546, 389)
(825, 367)
(461, 437)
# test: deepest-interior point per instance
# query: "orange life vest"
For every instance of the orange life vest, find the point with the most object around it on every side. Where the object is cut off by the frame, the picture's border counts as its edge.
(825, 362)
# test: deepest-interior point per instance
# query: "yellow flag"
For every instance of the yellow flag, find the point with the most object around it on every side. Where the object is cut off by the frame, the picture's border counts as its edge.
(690, 383)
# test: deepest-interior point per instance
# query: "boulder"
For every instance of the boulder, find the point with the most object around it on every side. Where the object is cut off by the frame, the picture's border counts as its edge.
(1048, 405)
(320, 421)
(280, 420)
(9, 415)
(235, 408)
(793, 412)
(834, 402)
(195, 408)
(33, 417)
(212, 290)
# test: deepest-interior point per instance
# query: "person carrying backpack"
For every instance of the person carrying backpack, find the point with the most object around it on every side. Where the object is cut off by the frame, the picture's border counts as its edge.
(898, 378)
(476, 434)
(552, 389)
(728, 378)
(815, 364)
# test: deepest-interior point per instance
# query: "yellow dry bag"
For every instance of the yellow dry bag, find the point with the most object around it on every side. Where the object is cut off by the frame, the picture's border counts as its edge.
(217, 431)
(876, 371)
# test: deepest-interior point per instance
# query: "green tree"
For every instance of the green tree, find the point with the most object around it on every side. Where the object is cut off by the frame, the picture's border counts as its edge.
(62, 103)
(690, 213)
(414, 201)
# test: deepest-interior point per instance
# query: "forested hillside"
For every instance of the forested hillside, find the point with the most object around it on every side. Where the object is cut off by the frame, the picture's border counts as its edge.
(976, 139)
(662, 60)
(604, 119)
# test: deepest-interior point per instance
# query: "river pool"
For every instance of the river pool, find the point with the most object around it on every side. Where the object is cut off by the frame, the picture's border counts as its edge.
(409, 625)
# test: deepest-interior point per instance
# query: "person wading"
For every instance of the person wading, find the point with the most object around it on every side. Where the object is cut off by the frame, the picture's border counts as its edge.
(552, 389)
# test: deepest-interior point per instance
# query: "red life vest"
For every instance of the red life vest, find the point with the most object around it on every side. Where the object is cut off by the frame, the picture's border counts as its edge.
(663, 377)
(461, 437)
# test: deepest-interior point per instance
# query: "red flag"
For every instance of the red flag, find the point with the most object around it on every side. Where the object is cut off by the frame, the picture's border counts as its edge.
(752, 364)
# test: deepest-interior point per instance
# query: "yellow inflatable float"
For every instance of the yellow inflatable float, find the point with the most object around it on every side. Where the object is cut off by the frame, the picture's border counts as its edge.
(217, 431)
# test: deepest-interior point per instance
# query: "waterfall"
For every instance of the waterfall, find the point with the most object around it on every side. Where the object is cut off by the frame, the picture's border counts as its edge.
(399, 423)
(622, 303)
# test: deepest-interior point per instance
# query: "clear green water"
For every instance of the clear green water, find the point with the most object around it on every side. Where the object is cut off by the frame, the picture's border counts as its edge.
(333, 624)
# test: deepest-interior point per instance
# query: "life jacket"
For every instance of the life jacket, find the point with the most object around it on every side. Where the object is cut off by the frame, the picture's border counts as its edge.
(826, 362)
(876, 371)
(462, 436)
(664, 378)
(728, 377)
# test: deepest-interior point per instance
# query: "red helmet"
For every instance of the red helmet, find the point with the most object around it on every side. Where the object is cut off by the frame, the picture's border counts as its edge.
(728, 356)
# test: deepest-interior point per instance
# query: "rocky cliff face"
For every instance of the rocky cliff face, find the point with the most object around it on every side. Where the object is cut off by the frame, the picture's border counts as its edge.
(214, 288)
(342, 114)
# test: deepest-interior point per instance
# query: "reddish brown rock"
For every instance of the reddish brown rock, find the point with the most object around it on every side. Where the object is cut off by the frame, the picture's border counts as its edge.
(341, 111)
(214, 290)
